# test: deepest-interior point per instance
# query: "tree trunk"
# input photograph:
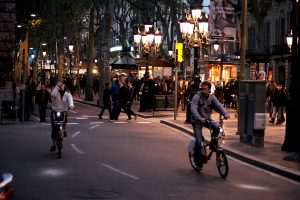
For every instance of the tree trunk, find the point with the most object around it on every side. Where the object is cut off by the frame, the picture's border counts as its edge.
(88, 88)
(103, 48)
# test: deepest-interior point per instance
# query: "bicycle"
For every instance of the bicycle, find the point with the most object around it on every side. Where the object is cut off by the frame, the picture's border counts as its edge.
(221, 159)
(59, 119)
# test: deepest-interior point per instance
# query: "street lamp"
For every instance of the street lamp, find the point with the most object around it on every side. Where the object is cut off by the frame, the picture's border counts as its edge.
(194, 28)
(292, 137)
(43, 66)
(216, 48)
(289, 39)
(71, 50)
(148, 42)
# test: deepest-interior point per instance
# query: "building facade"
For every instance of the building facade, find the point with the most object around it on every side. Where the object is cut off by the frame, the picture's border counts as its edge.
(267, 47)
(7, 39)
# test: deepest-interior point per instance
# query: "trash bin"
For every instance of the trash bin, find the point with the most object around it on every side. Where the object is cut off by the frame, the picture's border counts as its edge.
(252, 114)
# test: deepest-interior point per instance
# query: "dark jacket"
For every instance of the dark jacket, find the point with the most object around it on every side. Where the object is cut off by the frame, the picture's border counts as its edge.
(106, 96)
(279, 98)
(123, 95)
(42, 98)
(131, 93)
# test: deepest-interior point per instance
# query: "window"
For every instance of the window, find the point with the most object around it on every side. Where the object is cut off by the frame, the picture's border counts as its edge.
(251, 37)
(282, 28)
(276, 31)
(267, 34)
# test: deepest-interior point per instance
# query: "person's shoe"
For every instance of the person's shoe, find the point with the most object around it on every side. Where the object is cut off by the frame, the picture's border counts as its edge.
(272, 121)
(52, 148)
(278, 122)
(100, 116)
(65, 134)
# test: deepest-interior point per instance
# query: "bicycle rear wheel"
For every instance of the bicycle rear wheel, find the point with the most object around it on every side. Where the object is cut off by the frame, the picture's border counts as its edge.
(222, 163)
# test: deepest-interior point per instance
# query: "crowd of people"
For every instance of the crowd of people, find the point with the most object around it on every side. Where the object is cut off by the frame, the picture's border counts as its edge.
(123, 90)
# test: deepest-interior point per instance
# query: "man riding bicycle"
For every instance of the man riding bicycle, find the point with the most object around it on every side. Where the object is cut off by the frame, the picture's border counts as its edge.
(201, 108)
(61, 100)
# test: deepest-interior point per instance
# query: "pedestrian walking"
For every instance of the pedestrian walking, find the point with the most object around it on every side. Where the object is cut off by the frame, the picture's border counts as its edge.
(279, 101)
(115, 97)
(123, 100)
(42, 99)
(131, 95)
(271, 87)
(106, 101)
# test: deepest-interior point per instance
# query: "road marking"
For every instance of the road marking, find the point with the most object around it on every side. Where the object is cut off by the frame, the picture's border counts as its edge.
(72, 111)
(263, 170)
(96, 122)
(94, 126)
(120, 122)
(144, 122)
(72, 123)
(121, 172)
(81, 118)
(76, 149)
(75, 134)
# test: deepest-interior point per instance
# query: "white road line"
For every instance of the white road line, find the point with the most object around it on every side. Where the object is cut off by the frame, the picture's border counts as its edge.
(121, 172)
(263, 170)
(120, 122)
(72, 123)
(81, 118)
(76, 149)
(75, 134)
(96, 122)
(144, 122)
(94, 126)
(72, 111)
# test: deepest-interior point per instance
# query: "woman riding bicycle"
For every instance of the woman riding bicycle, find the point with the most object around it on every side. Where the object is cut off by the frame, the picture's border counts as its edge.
(201, 108)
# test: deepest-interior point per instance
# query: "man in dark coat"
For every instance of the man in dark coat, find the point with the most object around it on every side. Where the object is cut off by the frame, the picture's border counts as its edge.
(42, 99)
(106, 101)
(123, 100)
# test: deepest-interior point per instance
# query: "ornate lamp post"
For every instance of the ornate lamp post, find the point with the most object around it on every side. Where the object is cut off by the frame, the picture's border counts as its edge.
(43, 66)
(194, 29)
(71, 50)
(148, 42)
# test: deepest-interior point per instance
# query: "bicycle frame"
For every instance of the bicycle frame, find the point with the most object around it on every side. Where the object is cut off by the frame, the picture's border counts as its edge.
(221, 159)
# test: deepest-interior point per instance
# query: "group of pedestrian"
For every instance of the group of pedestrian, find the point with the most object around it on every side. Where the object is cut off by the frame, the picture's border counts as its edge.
(276, 100)
(120, 96)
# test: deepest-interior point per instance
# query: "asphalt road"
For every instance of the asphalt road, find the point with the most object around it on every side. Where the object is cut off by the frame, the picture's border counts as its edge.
(137, 159)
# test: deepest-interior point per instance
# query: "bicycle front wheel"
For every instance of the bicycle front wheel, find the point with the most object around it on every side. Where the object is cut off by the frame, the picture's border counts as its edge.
(222, 163)
(192, 162)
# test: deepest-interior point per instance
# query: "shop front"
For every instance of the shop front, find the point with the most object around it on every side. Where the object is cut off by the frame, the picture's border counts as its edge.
(213, 70)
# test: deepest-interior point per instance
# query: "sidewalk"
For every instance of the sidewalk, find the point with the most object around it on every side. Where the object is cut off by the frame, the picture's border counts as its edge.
(270, 157)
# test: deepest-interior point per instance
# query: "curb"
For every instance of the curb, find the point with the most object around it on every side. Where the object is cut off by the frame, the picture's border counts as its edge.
(271, 167)
(268, 166)
(88, 103)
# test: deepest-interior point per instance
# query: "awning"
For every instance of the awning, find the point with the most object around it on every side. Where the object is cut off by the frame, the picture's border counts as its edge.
(124, 62)
(155, 62)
